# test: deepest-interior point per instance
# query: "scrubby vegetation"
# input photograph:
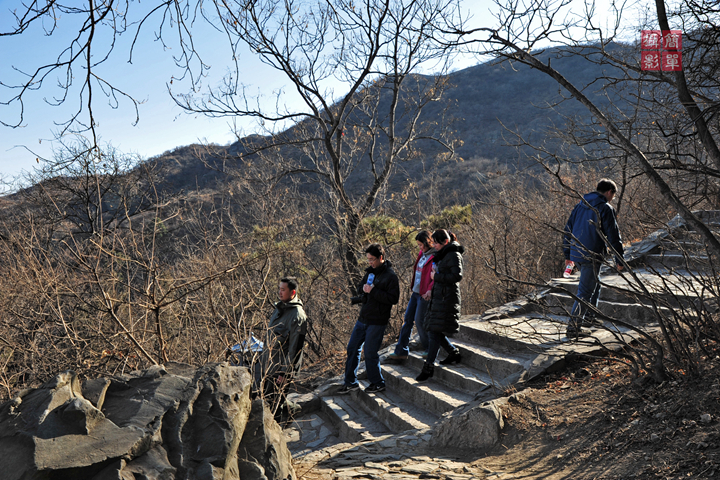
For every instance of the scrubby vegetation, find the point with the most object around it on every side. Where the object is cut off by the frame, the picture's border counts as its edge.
(106, 270)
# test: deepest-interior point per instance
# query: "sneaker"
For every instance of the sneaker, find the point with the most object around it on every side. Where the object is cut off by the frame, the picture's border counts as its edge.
(345, 389)
(375, 388)
(395, 358)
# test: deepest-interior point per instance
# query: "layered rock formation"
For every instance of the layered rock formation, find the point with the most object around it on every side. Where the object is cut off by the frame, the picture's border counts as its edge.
(166, 423)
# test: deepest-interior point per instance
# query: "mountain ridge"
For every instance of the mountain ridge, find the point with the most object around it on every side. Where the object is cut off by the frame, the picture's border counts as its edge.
(488, 101)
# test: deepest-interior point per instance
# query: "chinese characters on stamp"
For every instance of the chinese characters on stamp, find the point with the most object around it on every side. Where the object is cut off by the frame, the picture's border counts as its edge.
(661, 50)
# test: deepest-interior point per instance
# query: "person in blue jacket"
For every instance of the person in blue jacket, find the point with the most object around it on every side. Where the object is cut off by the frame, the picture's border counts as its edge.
(592, 226)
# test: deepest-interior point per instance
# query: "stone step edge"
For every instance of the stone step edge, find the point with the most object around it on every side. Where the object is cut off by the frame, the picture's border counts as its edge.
(469, 372)
(598, 343)
(495, 338)
(398, 414)
(434, 395)
(604, 305)
(405, 443)
(348, 427)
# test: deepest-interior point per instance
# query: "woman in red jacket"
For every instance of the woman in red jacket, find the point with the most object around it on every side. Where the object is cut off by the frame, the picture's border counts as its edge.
(421, 288)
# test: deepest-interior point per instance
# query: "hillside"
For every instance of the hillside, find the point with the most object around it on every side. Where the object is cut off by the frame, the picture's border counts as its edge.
(485, 100)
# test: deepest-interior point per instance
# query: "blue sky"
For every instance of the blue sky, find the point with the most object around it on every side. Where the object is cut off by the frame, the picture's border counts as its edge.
(162, 125)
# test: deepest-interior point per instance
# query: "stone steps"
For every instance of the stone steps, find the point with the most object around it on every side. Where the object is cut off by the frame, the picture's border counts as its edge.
(359, 415)
(690, 245)
(525, 338)
(489, 363)
(350, 420)
(633, 313)
(678, 260)
(394, 411)
(521, 334)
(434, 395)
(674, 289)
(409, 405)
(460, 376)
(310, 433)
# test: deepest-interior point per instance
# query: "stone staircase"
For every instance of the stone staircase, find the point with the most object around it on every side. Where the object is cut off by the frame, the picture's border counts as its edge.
(511, 344)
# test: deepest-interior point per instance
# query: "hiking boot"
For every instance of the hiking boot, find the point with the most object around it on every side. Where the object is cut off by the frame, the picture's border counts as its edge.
(375, 388)
(454, 357)
(591, 322)
(573, 333)
(427, 372)
(395, 358)
(345, 389)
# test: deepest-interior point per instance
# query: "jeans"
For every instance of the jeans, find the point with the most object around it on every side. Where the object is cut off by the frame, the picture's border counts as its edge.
(437, 340)
(371, 337)
(415, 313)
(588, 290)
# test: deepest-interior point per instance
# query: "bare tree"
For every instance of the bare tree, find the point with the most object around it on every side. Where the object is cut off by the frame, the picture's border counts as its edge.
(355, 97)
(352, 70)
(525, 27)
(657, 124)
(73, 75)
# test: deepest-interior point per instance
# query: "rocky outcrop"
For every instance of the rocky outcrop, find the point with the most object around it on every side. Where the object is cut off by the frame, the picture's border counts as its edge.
(171, 422)
(475, 426)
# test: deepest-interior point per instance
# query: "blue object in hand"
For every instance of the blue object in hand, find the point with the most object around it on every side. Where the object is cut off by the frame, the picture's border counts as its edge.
(371, 278)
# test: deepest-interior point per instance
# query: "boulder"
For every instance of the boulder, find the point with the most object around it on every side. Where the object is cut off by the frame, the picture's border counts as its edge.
(259, 447)
(168, 422)
(476, 426)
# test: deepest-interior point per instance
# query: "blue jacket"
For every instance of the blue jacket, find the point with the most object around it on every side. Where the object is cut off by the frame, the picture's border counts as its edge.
(582, 240)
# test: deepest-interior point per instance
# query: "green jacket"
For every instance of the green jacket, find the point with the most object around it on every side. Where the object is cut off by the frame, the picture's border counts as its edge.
(285, 338)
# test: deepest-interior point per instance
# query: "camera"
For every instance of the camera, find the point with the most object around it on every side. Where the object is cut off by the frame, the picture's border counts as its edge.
(359, 299)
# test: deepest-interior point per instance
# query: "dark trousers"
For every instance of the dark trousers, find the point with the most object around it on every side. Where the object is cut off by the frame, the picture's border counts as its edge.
(437, 340)
(414, 315)
(370, 337)
(588, 290)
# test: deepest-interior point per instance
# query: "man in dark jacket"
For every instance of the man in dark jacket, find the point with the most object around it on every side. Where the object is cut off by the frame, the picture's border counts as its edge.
(591, 227)
(378, 292)
(283, 350)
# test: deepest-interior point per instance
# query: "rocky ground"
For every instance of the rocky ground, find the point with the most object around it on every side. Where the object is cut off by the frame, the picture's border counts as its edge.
(589, 422)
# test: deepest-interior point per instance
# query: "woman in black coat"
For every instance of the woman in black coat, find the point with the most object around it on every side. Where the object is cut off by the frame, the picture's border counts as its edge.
(444, 310)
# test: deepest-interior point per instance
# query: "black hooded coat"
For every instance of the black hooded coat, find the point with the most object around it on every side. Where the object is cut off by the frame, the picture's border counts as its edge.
(444, 309)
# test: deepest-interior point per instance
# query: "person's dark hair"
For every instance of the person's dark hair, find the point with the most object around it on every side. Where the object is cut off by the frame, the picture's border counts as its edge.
(424, 238)
(291, 282)
(440, 235)
(376, 250)
(606, 185)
